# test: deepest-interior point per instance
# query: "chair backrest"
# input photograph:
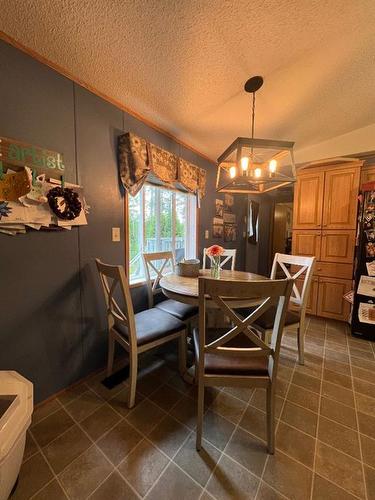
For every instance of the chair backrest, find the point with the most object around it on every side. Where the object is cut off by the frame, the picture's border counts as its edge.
(225, 294)
(228, 254)
(158, 264)
(112, 278)
(299, 267)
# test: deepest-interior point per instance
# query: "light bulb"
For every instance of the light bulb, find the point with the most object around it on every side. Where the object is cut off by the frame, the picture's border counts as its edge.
(244, 163)
(258, 172)
(232, 172)
(272, 166)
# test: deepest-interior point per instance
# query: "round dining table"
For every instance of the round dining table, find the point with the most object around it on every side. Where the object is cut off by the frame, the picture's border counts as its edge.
(185, 289)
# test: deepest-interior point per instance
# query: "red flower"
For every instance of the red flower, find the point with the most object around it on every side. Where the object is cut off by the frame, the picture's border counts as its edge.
(215, 251)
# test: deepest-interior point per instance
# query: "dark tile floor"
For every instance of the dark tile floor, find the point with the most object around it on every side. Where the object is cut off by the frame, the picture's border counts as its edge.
(87, 444)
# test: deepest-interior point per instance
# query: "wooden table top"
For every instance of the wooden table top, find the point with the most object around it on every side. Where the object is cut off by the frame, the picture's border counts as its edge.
(188, 287)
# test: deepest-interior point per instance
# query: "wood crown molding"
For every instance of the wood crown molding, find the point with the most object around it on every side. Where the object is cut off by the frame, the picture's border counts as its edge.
(62, 71)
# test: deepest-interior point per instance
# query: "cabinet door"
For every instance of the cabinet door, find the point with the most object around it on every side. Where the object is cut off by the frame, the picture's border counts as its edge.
(306, 243)
(308, 201)
(338, 246)
(330, 298)
(341, 188)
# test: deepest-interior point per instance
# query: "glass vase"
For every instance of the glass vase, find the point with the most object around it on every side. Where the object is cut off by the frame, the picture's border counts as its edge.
(215, 267)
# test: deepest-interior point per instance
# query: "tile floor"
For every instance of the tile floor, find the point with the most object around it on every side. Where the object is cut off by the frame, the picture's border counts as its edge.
(87, 444)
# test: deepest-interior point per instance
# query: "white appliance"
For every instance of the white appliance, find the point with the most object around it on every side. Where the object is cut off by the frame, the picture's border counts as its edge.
(16, 407)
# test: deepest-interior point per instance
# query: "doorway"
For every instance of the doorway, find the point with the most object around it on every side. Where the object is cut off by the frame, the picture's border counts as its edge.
(282, 228)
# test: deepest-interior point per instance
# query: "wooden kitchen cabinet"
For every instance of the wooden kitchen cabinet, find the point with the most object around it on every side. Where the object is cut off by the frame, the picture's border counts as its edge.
(324, 226)
(330, 298)
(337, 246)
(308, 201)
(341, 188)
(306, 243)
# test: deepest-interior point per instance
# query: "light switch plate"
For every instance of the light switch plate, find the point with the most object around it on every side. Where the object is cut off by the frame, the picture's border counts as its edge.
(116, 235)
(206, 234)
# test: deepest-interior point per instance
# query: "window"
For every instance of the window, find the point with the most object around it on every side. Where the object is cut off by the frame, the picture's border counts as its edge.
(159, 220)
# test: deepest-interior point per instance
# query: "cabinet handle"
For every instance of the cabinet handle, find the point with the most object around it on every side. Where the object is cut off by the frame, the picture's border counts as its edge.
(319, 269)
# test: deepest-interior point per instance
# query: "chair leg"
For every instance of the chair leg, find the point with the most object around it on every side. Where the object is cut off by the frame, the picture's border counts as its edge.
(111, 354)
(133, 371)
(200, 413)
(301, 342)
(270, 420)
(182, 353)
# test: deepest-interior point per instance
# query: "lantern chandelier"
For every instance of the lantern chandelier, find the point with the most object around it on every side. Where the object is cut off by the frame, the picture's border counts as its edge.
(254, 166)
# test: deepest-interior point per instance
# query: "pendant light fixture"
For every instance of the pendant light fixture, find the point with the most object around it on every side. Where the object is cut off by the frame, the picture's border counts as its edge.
(255, 166)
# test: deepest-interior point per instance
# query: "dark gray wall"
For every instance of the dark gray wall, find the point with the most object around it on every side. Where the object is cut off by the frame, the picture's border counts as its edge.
(52, 323)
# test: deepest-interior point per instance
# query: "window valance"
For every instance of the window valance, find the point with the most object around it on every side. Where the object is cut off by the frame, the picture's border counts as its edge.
(139, 160)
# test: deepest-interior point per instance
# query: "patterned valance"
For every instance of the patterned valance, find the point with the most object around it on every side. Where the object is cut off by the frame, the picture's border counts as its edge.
(140, 160)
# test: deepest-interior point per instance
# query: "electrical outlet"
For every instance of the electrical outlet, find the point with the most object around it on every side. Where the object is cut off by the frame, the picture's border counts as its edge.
(206, 234)
(116, 235)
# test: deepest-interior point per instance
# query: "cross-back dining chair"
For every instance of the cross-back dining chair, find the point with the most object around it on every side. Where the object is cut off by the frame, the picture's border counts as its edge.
(161, 263)
(136, 333)
(237, 356)
(228, 255)
(299, 267)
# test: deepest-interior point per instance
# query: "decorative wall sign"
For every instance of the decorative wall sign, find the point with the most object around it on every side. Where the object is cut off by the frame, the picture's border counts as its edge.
(19, 154)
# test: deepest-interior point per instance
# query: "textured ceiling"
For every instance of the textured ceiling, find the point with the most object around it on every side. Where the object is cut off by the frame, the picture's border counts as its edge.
(182, 63)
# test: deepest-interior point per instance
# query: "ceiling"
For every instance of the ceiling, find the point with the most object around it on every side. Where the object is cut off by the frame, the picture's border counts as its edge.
(182, 63)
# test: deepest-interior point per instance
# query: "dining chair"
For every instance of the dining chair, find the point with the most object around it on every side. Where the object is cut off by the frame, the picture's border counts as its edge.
(300, 267)
(229, 254)
(237, 356)
(136, 333)
(159, 264)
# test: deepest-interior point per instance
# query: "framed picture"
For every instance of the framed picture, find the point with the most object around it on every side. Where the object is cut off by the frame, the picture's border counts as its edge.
(217, 231)
(230, 232)
(228, 202)
(219, 208)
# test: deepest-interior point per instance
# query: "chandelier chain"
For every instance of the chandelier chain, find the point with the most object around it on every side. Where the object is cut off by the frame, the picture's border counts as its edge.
(253, 117)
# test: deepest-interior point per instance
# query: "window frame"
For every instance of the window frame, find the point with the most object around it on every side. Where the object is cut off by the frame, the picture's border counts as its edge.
(142, 282)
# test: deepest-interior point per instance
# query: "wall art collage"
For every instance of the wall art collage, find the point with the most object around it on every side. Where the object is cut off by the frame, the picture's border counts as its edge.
(224, 224)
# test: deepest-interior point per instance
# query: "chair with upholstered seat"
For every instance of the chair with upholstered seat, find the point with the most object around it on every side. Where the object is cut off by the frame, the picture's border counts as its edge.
(237, 356)
(229, 256)
(136, 333)
(299, 268)
(156, 265)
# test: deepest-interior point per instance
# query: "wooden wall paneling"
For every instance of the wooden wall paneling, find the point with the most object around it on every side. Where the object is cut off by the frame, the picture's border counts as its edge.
(341, 188)
(338, 246)
(330, 298)
(40, 323)
(308, 200)
(98, 124)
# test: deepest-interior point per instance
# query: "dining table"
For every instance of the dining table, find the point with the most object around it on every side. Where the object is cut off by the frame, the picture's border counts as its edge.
(185, 289)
